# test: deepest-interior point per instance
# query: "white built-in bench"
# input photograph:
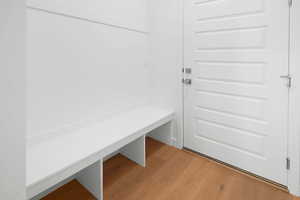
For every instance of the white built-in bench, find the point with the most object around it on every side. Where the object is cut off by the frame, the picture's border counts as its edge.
(80, 154)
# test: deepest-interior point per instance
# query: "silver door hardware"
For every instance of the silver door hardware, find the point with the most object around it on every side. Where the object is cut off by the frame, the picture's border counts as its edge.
(188, 70)
(288, 163)
(187, 81)
(289, 78)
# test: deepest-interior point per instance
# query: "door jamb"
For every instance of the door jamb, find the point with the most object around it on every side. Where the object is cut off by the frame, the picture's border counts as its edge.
(294, 102)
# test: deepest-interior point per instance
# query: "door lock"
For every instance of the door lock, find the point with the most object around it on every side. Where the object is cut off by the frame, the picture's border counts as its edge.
(188, 70)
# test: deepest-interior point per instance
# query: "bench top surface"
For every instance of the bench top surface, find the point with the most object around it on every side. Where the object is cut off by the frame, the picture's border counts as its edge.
(50, 156)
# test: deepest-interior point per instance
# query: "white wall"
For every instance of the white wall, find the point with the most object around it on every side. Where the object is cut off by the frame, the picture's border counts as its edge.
(165, 57)
(83, 65)
(294, 136)
(12, 100)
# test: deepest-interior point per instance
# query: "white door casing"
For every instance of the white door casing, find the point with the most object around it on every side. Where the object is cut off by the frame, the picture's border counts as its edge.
(237, 105)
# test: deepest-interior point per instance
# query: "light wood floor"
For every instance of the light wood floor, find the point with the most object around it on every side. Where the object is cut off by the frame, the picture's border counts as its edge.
(173, 174)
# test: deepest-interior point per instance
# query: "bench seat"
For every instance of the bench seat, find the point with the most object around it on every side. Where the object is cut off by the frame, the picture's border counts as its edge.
(50, 161)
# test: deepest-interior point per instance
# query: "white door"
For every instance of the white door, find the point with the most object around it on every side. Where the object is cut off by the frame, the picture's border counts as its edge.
(236, 105)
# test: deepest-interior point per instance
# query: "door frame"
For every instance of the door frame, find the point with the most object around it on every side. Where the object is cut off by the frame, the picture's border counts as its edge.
(294, 97)
(294, 105)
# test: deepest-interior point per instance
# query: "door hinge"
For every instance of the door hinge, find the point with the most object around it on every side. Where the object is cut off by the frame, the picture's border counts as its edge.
(289, 79)
(288, 163)
(290, 3)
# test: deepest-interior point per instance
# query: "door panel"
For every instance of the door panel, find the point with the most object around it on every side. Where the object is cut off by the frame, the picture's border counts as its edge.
(239, 106)
(212, 9)
(233, 72)
(236, 106)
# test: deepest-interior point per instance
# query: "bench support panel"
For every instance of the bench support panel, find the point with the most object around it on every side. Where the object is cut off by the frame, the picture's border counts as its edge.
(136, 151)
(164, 133)
(92, 179)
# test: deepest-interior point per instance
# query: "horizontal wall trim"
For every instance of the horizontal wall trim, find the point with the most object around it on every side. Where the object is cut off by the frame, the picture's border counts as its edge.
(87, 20)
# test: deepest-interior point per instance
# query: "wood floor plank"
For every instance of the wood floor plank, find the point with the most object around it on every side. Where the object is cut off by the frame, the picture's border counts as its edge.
(192, 178)
(70, 191)
(173, 174)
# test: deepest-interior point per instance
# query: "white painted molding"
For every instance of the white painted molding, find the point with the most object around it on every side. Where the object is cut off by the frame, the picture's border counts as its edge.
(130, 15)
(294, 110)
